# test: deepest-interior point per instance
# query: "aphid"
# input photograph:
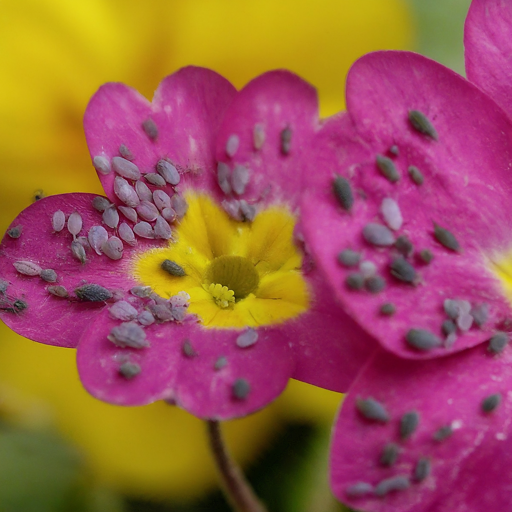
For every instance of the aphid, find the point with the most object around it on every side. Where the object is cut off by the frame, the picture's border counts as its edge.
(125, 152)
(387, 309)
(422, 124)
(97, 236)
(247, 211)
(27, 268)
(480, 313)
(343, 191)
(129, 370)
(354, 281)
(421, 339)
(101, 164)
(58, 221)
(408, 424)
(93, 293)
(240, 179)
(448, 327)
(147, 210)
(491, 402)
(75, 223)
(247, 338)
(403, 270)
(113, 248)
(375, 284)
(150, 129)
(232, 145)
(286, 140)
(146, 318)
(377, 234)
(258, 136)
(142, 292)
(125, 168)
(162, 312)
(143, 191)
(168, 214)
(389, 454)
(359, 489)
(387, 168)
(188, 349)
(498, 343)
(404, 246)
(128, 334)
(48, 275)
(111, 217)
(349, 258)
(12, 305)
(422, 469)
(162, 229)
(426, 256)
(161, 199)
(179, 205)
(123, 310)
(125, 192)
(241, 389)
(464, 321)
(128, 212)
(58, 291)
(168, 172)
(443, 433)
(100, 203)
(126, 234)
(446, 238)
(171, 267)
(416, 175)
(367, 268)
(391, 213)
(144, 230)
(155, 179)
(220, 363)
(395, 483)
(15, 232)
(3, 286)
(372, 410)
(394, 150)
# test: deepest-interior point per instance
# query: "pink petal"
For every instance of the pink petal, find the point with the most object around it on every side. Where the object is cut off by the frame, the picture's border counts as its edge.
(469, 468)
(488, 47)
(466, 190)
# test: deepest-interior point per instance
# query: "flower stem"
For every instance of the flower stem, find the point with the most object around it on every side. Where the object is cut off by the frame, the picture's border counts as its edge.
(236, 488)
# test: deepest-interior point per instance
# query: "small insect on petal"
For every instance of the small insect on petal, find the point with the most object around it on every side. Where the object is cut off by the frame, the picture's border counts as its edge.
(416, 175)
(247, 211)
(395, 483)
(49, 275)
(111, 217)
(3, 286)
(387, 168)
(421, 339)
(464, 321)
(448, 327)
(171, 267)
(155, 179)
(129, 213)
(372, 410)
(368, 269)
(422, 124)
(143, 191)
(147, 210)
(27, 268)
(128, 334)
(93, 293)
(97, 236)
(125, 192)
(286, 140)
(58, 291)
(391, 213)
(387, 309)
(349, 258)
(220, 363)
(125, 168)
(113, 248)
(162, 229)
(375, 284)
(143, 292)
(343, 191)
(168, 172)
(179, 205)
(480, 313)
(129, 370)
(144, 230)
(58, 221)
(498, 343)
(247, 338)
(146, 318)
(389, 454)
(355, 281)
(126, 234)
(394, 150)
(188, 349)
(75, 223)
(125, 152)
(232, 145)
(403, 270)
(101, 164)
(240, 179)
(258, 136)
(161, 199)
(15, 232)
(359, 489)
(408, 424)
(446, 238)
(491, 402)
(443, 433)
(426, 256)
(377, 234)
(422, 470)
(404, 246)
(123, 310)
(241, 389)
(78, 251)
(150, 129)
(100, 203)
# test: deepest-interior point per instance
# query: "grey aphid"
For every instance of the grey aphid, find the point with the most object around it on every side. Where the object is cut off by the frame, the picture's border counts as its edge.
(147, 210)
(161, 199)
(125, 168)
(221, 362)
(144, 230)
(232, 145)
(125, 152)
(343, 191)
(389, 454)
(375, 284)
(258, 136)
(240, 179)
(247, 211)
(241, 389)
(142, 292)
(126, 234)
(97, 236)
(408, 424)
(224, 177)
(480, 313)
(27, 268)
(422, 124)
(379, 235)
(403, 270)
(422, 469)
(421, 339)
(368, 268)
(171, 267)
(247, 338)
(391, 213)
(387, 309)
(18, 306)
(125, 192)
(150, 129)
(286, 140)
(426, 256)
(111, 217)
(451, 308)
(395, 483)
(446, 238)
(143, 191)
(464, 321)
(58, 221)
(146, 318)
(443, 433)
(75, 223)
(3, 286)
(404, 246)
(129, 370)
(394, 150)
(359, 489)
(155, 179)
(93, 293)
(448, 327)
(188, 349)
(113, 248)
(168, 172)
(123, 311)
(162, 229)
(48, 275)
(491, 402)
(355, 281)
(58, 291)
(498, 343)
(101, 164)
(128, 212)
(179, 205)
(162, 312)
(387, 168)
(372, 410)
(416, 175)
(15, 232)
(100, 204)
(128, 334)
(349, 258)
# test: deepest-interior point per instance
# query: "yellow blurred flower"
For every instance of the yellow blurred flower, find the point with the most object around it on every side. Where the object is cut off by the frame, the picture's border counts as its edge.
(54, 54)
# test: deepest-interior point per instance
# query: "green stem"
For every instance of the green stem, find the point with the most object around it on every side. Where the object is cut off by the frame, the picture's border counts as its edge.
(236, 488)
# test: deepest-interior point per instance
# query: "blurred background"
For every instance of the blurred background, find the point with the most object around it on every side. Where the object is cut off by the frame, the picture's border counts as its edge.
(61, 450)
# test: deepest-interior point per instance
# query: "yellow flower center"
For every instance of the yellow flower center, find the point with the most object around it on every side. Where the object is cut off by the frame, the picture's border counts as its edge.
(237, 274)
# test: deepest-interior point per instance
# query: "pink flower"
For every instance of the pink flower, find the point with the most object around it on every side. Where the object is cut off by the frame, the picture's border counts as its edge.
(407, 211)
(188, 282)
